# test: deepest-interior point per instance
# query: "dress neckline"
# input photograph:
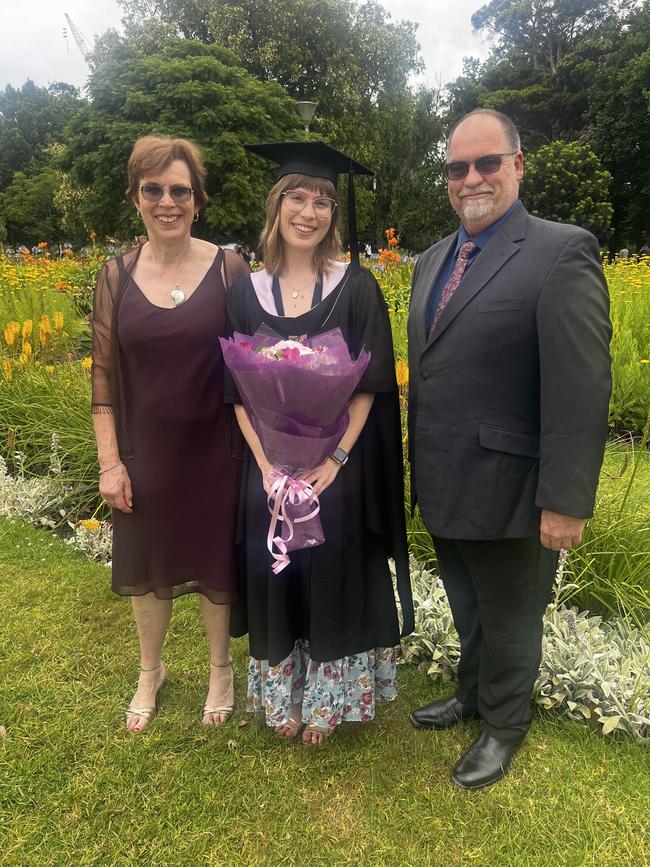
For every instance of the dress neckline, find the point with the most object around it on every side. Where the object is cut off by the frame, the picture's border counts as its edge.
(189, 297)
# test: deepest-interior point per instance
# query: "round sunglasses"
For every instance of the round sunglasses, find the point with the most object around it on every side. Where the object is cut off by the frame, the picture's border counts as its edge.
(487, 165)
(154, 193)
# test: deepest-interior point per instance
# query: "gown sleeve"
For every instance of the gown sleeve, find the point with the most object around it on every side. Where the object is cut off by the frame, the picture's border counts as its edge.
(371, 330)
(381, 438)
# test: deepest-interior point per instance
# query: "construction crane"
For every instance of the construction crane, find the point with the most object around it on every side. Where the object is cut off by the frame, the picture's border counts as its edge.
(79, 38)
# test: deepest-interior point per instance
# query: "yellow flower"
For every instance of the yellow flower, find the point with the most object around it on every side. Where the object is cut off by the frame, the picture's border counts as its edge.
(27, 349)
(6, 369)
(11, 331)
(49, 368)
(86, 362)
(402, 373)
(27, 328)
(90, 524)
(58, 321)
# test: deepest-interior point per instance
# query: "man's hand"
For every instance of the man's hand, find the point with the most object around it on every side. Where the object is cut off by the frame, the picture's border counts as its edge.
(560, 531)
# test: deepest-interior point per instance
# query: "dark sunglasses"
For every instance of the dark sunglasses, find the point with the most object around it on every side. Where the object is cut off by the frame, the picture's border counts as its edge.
(154, 193)
(487, 165)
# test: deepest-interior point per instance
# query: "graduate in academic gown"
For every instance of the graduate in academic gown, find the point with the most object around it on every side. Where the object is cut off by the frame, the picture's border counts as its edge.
(322, 632)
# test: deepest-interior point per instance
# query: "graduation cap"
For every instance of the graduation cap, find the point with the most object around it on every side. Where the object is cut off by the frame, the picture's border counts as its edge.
(317, 160)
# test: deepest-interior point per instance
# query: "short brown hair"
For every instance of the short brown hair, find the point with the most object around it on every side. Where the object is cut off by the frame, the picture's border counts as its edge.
(154, 153)
(270, 240)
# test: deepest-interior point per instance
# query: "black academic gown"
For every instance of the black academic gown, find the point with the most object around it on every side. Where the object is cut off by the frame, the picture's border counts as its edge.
(339, 595)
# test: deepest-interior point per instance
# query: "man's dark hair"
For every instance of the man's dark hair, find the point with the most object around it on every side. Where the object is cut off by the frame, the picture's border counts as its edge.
(511, 131)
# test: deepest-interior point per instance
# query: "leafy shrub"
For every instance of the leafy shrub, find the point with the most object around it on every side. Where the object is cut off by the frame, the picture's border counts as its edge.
(593, 671)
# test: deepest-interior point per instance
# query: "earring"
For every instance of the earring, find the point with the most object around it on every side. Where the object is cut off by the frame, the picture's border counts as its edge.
(196, 217)
(137, 210)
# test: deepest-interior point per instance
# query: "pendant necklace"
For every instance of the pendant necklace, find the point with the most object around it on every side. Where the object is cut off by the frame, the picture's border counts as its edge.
(177, 294)
(299, 293)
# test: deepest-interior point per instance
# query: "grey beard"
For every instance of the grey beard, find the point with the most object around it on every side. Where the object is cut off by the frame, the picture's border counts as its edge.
(474, 211)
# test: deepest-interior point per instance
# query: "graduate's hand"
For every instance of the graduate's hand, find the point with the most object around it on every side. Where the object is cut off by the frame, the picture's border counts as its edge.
(322, 476)
(269, 475)
(115, 489)
(560, 531)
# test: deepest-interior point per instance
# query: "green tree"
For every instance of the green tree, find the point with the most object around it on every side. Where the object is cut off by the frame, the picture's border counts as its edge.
(619, 127)
(186, 89)
(31, 120)
(546, 30)
(27, 207)
(565, 182)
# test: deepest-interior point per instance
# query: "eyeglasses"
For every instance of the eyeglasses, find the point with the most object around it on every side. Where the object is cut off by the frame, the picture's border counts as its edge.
(154, 193)
(323, 205)
(487, 165)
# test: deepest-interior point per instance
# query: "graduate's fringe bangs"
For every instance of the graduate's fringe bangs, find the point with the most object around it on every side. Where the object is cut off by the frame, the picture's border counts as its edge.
(270, 239)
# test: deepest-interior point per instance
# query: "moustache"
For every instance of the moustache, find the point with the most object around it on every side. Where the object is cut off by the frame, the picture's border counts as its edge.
(476, 192)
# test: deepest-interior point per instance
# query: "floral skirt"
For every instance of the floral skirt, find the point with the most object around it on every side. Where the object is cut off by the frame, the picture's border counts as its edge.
(342, 690)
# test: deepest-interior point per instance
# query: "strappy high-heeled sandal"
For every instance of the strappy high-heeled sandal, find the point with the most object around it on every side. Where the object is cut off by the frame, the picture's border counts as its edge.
(224, 710)
(147, 713)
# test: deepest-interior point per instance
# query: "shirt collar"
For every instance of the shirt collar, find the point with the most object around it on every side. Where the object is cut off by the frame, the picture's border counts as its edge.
(483, 237)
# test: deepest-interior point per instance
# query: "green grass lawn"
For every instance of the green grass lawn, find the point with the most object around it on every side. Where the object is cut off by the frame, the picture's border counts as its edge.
(77, 789)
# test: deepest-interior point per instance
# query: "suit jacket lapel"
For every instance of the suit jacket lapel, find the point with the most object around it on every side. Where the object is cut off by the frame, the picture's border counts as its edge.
(425, 282)
(501, 247)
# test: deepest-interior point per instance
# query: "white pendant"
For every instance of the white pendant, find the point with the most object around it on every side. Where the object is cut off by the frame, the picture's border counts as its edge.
(178, 296)
(294, 294)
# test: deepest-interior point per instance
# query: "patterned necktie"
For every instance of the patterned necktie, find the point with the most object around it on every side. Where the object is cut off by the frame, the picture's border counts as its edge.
(451, 285)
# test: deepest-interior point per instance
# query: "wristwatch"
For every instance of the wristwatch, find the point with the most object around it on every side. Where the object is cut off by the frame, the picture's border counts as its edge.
(340, 456)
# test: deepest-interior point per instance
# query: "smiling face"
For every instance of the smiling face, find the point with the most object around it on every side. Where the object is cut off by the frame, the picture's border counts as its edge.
(479, 200)
(304, 229)
(167, 220)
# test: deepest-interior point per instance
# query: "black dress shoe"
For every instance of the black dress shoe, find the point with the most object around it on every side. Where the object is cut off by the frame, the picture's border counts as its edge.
(484, 763)
(441, 714)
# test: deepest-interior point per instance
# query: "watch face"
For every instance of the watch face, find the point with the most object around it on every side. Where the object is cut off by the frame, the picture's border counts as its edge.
(340, 455)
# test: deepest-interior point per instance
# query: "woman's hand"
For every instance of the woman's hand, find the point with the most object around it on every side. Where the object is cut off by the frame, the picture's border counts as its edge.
(322, 476)
(115, 489)
(269, 475)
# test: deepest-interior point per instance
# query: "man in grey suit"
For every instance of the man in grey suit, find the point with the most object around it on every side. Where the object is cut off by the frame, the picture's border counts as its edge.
(509, 387)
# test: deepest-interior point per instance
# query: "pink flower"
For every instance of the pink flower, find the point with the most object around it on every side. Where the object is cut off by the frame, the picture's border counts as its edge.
(366, 718)
(366, 698)
(347, 708)
(335, 719)
(327, 671)
(288, 669)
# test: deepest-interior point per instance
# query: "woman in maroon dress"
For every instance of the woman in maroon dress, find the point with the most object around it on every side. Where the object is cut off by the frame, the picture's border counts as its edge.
(166, 441)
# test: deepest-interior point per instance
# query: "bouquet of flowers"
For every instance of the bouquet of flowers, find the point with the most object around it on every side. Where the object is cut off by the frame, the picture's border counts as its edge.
(296, 394)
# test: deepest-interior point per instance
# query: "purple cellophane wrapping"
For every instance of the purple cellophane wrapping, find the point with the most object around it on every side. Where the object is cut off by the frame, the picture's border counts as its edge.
(298, 406)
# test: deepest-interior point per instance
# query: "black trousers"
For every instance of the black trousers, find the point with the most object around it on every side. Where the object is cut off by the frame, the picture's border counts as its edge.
(498, 591)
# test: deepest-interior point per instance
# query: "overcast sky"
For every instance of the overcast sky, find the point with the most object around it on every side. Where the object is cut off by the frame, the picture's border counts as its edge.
(33, 45)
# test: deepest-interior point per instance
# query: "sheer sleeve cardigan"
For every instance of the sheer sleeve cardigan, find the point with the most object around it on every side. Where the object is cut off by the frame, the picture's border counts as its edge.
(107, 369)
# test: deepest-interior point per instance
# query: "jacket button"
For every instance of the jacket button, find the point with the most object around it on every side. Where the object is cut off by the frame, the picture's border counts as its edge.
(424, 375)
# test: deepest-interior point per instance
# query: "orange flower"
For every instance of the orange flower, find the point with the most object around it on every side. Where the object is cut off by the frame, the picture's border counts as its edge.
(402, 374)
(42, 245)
(388, 258)
(393, 242)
